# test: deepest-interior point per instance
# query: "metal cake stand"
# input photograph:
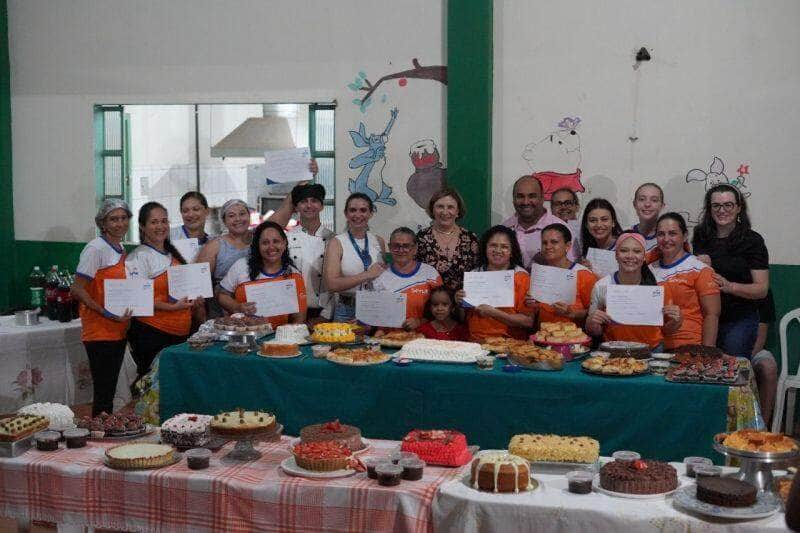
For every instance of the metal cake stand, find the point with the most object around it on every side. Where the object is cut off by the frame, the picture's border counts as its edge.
(755, 467)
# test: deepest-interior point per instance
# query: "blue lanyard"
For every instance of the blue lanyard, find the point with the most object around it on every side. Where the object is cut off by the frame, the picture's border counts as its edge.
(366, 258)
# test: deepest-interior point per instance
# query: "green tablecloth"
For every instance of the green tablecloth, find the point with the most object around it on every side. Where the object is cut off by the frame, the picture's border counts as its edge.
(659, 419)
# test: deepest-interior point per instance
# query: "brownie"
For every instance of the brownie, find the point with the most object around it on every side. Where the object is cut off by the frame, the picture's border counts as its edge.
(726, 492)
(638, 477)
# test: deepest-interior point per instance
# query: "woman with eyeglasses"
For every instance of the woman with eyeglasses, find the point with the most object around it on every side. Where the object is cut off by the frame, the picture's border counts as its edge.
(739, 257)
(408, 276)
(499, 250)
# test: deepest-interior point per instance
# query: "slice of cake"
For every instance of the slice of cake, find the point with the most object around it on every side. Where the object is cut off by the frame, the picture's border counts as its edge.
(442, 447)
(500, 472)
(555, 448)
(324, 456)
(186, 430)
(349, 436)
(638, 477)
(726, 491)
(140, 455)
(241, 422)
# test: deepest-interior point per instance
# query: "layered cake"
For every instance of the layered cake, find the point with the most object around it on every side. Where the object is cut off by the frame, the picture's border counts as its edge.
(186, 430)
(555, 448)
(278, 349)
(241, 422)
(350, 436)
(334, 333)
(140, 455)
(20, 426)
(325, 456)
(752, 440)
(726, 491)
(500, 472)
(636, 350)
(441, 351)
(60, 416)
(442, 447)
(638, 477)
(292, 334)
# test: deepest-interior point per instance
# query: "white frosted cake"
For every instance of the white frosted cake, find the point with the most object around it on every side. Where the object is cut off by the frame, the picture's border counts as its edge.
(441, 351)
(60, 416)
(292, 334)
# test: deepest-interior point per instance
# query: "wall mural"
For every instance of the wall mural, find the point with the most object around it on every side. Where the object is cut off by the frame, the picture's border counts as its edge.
(716, 175)
(555, 158)
(372, 184)
(429, 175)
(362, 84)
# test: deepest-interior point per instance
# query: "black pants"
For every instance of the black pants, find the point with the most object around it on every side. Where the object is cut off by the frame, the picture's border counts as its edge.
(146, 342)
(105, 360)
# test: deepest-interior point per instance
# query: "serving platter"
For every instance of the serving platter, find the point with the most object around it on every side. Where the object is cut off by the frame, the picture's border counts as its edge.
(767, 504)
(289, 465)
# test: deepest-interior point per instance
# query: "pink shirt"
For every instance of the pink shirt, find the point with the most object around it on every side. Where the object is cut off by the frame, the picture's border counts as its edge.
(530, 239)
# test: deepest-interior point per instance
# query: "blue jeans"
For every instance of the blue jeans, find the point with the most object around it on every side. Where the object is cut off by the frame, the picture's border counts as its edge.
(343, 313)
(737, 337)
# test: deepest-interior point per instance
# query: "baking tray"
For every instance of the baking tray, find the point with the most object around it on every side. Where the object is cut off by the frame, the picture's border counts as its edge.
(17, 447)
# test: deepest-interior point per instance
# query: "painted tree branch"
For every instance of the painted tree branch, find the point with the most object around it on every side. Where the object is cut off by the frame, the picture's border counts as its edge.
(436, 73)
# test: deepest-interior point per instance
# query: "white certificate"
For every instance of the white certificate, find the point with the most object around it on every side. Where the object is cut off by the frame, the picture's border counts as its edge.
(286, 166)
(273, 298)
(551, 284)
(604, 262)
(636, 305)
(190, 281)
(495, 288)
(135, 294)
(381, 308)
(188, 248)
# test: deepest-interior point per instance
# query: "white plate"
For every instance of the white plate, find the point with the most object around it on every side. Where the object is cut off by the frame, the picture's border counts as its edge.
(367, 444)
(662, 356)
(298, 354)
(766, 505)
(601, 490)
(290, 467)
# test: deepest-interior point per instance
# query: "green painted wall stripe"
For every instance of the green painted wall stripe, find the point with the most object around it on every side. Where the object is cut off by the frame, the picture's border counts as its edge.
(6, 192)
(469, 106)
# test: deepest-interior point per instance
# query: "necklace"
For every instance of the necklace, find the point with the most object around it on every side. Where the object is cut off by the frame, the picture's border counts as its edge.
(437, 230)
(447, 243)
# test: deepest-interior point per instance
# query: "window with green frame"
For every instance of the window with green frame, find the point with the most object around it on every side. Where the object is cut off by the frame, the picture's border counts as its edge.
(321, 142)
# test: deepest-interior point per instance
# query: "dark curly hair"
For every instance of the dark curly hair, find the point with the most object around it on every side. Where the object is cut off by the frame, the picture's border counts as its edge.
(706, 230)
(516, 253)
(427, 313)
(255, 262)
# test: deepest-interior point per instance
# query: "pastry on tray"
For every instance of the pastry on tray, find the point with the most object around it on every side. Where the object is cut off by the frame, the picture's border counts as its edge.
(113, 425)
(703, 368)
(555, 448)
(752, 440)
(20, 426)
(140, 455)
(443, 447)
(560, 333)
(350, 436)
(500, 472)
(334, 333)
(638, 477)
(530, 354)
(323, 456)
(241, 422)
(396, 339)
(243, 324)
(500, 344)
(726, 492)
(357, 356)
(619, 366)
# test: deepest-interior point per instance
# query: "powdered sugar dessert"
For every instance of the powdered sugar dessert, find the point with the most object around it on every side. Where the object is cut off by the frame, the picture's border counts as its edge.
(186, 430)
(441, 351)
(292, 334)
(60, 416)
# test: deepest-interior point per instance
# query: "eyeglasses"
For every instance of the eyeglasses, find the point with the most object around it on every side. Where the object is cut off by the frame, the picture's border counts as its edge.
(727, 206)
(501, 247)
(565, 203)
(397, 247)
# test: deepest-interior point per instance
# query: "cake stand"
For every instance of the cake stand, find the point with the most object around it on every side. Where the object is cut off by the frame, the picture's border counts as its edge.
(243, 450)
(755, 467)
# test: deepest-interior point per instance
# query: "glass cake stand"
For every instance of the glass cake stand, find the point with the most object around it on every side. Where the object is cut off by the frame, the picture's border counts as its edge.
(755, 467)
(244, 450)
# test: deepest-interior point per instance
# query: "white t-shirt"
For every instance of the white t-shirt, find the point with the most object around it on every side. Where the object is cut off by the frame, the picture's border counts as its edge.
(351, 262)
(147, 262)
(240, 273)
(97, 254)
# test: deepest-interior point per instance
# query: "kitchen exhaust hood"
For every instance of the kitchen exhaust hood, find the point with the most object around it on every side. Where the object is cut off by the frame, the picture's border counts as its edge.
(254, 136)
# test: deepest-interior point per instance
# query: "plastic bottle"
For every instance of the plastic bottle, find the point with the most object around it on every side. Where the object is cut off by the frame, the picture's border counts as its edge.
(36, 286)
(63, 299)
(50, 292)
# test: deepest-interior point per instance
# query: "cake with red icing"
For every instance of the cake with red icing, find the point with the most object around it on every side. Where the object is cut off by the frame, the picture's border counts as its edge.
(350, 436)
(322, 456)
(443, 447)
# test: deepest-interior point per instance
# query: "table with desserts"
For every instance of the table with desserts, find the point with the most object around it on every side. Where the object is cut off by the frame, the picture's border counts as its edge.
(661, 419)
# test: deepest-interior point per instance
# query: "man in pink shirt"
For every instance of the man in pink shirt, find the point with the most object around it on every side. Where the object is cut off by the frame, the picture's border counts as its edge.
(530, 218)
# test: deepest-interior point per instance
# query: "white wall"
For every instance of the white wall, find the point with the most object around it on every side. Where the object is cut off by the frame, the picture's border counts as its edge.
(68, 56)
(723, 82)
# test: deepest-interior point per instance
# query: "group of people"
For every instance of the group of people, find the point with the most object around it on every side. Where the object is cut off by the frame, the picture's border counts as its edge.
(715, 284)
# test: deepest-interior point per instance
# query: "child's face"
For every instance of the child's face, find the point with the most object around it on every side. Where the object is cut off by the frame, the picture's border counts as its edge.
(440, 306)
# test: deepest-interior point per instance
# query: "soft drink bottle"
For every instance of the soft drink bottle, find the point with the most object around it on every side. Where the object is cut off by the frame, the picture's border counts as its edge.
(50, 293)
(63, 300)
(36, 286)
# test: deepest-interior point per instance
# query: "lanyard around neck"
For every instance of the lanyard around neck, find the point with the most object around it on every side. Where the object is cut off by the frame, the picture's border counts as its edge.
(364, 255)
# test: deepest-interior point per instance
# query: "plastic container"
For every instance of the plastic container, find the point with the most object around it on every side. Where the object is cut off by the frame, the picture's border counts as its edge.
(76, 438)
(579, 481)
(659, 367)
(485, 362)
(320, 351)
(691, 463)
(626, 456)
(198, 458)
(662, 356)
(398, 456)
(707, 471)
(412, 469)
(371, 463)
(388, 474)
(402, 361)
(47, 441)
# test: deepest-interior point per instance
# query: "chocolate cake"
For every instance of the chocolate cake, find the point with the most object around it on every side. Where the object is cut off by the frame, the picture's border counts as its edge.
(638, 477)
(726, 491)
(350, 436)
(636, 350)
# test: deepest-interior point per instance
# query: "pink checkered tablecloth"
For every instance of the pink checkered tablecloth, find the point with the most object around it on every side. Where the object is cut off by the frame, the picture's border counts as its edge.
(72, 486)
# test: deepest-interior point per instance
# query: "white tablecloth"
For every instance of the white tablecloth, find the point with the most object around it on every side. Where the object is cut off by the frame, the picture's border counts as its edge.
(48, 363)
(551, 507)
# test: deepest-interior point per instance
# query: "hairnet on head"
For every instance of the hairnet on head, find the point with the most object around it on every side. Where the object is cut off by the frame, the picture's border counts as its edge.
(108, 205)
(230, 204)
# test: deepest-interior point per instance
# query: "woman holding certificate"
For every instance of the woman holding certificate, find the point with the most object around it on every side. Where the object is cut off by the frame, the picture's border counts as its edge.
(171, 320)
(194, 211)
(556, 241)
(630, 252)
(599, 226)
(268, 262)
(103, 333)
(692, 282)
(499, 251)
(354, 258)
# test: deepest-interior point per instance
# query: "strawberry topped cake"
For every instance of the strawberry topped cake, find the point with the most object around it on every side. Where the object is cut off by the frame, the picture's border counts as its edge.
(349, 436)
(325, 456)
(443, 447)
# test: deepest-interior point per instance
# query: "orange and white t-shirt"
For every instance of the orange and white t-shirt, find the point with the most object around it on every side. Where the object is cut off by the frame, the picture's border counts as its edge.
(99, 261)
(481, 327)
(690, 279)
(149, 263)
(583, 295)
(238, 277)
(416, 285)
(650, 335)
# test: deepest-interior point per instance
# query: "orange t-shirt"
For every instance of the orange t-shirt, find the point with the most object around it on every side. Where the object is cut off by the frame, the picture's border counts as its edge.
(481, 327)
(583, 296)
(100, 261)
(689, 280)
